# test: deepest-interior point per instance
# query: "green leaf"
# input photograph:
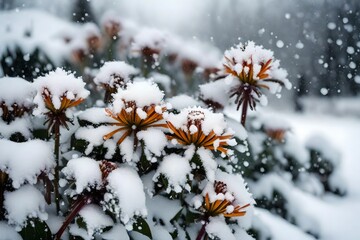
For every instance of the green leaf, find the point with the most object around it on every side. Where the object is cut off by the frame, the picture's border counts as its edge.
(141, 226)
(36, 230)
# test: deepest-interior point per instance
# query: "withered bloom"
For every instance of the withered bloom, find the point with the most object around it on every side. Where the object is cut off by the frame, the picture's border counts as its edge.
(255, 69)
(193, 133)
(225, 207)
(131, 120)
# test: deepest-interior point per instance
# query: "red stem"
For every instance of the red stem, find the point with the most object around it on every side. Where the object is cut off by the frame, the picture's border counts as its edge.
(201, 232)
(78, 205)
(244, 111)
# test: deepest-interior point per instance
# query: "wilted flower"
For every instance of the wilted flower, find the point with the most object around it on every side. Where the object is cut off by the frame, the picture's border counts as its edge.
(223, 203)
(132, 119)
(133, 112)
(202, 128)
(58, 91)
(255, 69)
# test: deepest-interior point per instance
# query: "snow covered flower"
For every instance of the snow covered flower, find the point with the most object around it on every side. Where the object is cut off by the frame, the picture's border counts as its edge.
(57, 92)
(135, 111)
(15, 98)
(222, 203)
(200, 127)
(114, 75)
(277, 134)
(254, 69)
(149, 42)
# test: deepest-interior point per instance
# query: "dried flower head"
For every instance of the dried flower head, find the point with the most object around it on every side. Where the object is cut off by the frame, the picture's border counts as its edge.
(222, 203)
(58, 91)
(133, 112)
(201, 128)
(16, 96)
(255, 69)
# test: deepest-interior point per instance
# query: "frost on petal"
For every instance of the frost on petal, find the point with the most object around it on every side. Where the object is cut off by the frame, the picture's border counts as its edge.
(126, 187)
(24, 162)
(23, 204)
(85, 171)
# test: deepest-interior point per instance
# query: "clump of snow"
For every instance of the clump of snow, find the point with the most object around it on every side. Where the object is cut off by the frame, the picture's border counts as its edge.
(162, 79)
(112, 70)
(58, 84)
(142, 93)
(25, 161)
(95, 115)
(176, 169)
(126, 188)
(325, 148)
(19, 125)
(214, 91)
(23, 204)
(149, 38)
(95, 219)
(181, 101)
(85, 171)
(217, 227)
(8, 233)
(15, 90)
(148, 137)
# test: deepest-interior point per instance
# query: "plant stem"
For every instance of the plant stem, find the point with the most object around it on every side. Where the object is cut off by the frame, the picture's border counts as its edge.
(57, 159)
(244, 111)
(201, 232)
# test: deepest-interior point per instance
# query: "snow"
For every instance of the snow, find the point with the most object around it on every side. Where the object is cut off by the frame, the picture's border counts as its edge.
(214, 91)
(149, 37)
(176, 169)
(217, 227)
(19, 125)
(115, 68)
(117, 232)
(8, 233)
(95, 115)
(85, 171)
(24, 162)
(126, 186)
(95, 219)
(23, 204)
(325, 148)
(181, 101)
(209, 121)
(161, 79)
(58, 84)
(16, 90)
(148, 137)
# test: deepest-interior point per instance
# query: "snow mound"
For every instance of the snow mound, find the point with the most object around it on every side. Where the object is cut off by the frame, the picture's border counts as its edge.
(110, 70)
(24, 162)
(16, 90)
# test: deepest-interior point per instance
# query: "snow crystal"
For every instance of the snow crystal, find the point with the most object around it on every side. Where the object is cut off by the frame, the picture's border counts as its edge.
(26, 202)
(8, 233)
(16, 90)
(85, 171)
(176, 169)
(25, 161)
(58, 83)
(127, 187)
(95, 219)
(109, 70)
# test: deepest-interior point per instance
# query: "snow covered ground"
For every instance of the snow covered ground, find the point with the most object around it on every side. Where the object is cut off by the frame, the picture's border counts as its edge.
(336, 217)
